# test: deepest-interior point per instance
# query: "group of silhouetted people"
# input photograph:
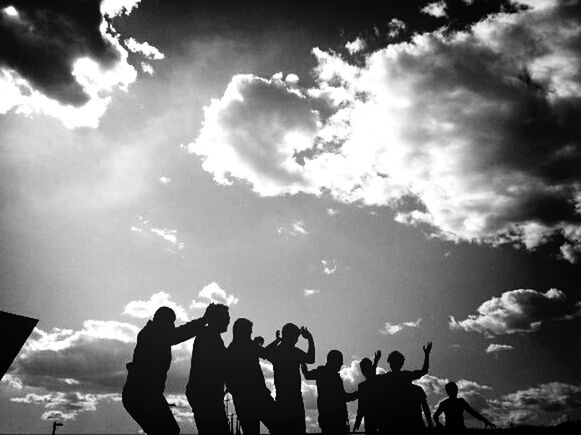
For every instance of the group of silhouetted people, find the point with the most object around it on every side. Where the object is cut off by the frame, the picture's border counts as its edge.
(387, 402)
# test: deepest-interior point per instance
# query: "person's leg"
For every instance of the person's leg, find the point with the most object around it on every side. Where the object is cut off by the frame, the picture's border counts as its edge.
(138, 404)
(267, 413)
(163, 420)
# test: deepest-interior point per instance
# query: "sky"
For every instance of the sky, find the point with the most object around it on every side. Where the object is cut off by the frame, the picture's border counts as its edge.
(384, 173)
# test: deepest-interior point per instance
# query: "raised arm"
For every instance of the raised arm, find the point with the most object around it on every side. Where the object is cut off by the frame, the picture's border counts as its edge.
(188, 330)
(437, 415)
(310, 357)
(477, 415)
(308, 374)
(266, 352)
(427, 349)
(376, 359)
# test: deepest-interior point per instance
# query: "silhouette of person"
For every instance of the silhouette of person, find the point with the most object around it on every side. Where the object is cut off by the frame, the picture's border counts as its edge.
(245, 380)
(146, 374)
(453, 408)
(414, 402)
(286, 359)
(394, 385)
(205, 389)
(331, 395)
(368, 396)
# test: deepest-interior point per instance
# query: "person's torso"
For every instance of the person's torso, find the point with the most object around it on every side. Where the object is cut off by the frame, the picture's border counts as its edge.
(287, 376)
(454, 412)
(151, 358)
(244, 372)
(207, 371)
(330, 392)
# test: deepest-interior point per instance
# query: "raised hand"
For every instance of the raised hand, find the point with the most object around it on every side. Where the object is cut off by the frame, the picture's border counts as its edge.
(306, 333)
(377, 356)
(428, 347)
(278, 334)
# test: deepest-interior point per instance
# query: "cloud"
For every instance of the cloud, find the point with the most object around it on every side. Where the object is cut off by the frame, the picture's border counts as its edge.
(253, 132)
(310, 292)
(493, 347)
(167, 235)
(470, 134)
(64, 406)
(355, 46)
(165, 180)
(436, 9)
(329, 267)
(390, 329)
(297, 228)
(213, 293)
(518, 311)
(532, 404)
(146, 309)
(76, 60)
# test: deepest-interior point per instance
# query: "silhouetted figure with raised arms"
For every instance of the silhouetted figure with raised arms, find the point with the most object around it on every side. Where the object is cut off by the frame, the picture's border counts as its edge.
(393, 387)
(367, 396)
(146, 375)
(453, 408)
(205, 389)
(331, 396)
(286, 359)
(245, 380)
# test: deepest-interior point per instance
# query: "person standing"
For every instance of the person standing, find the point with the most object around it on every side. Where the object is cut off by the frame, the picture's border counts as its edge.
(205, 388)
(142, 394)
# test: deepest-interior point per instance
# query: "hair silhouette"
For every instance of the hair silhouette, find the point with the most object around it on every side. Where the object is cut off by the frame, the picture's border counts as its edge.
(205, 388)
(142, 394)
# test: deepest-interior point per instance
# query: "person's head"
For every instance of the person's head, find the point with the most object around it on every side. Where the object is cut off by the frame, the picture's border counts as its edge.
(164, 318)
(366, 367)
(335, 360)
(452, 389)
(242, 329)
(290, 333)
(395, 360)
(218, 317)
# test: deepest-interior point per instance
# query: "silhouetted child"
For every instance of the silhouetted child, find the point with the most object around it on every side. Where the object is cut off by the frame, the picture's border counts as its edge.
(146, 374)
(331, 395)
(393, 386)
(367, 395)
(205, 389)
(286, 359)
(245, 380)
(453, 408)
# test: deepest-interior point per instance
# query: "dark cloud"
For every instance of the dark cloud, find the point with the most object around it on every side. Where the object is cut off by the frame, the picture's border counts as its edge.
(44, 40)
(518, 311)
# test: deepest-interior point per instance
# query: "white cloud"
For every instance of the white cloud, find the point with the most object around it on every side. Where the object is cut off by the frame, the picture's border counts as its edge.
(165, 180)
(11, 11)
(395, 27)
(118, 7)
(297, 228)
(432, 127)
(436, 9)
(493, 347)
(392, 329)
(167, 235)
(64, 406)
(355, 46)
(518, 311)
(146, 309)
(329, 267)
(310, 292)
(213, 293)
(149, 51)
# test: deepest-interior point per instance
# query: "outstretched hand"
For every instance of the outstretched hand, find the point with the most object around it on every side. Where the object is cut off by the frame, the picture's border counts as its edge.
(428, 347)
(306, 333)
(377, 356)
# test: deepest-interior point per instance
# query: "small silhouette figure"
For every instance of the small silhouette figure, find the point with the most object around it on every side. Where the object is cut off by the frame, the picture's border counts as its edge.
(453, 408)
(146, 374)
(331, 395)
(393, 387)
(286, 359)
(367, 409)
(245, 380)
(205, 389)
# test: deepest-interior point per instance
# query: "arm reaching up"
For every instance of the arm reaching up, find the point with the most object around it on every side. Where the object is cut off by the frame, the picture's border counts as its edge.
(427, 349)
(310, 358)
(376, 359)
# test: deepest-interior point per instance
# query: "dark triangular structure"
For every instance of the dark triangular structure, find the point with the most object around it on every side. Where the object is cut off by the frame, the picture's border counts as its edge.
(14, 331)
